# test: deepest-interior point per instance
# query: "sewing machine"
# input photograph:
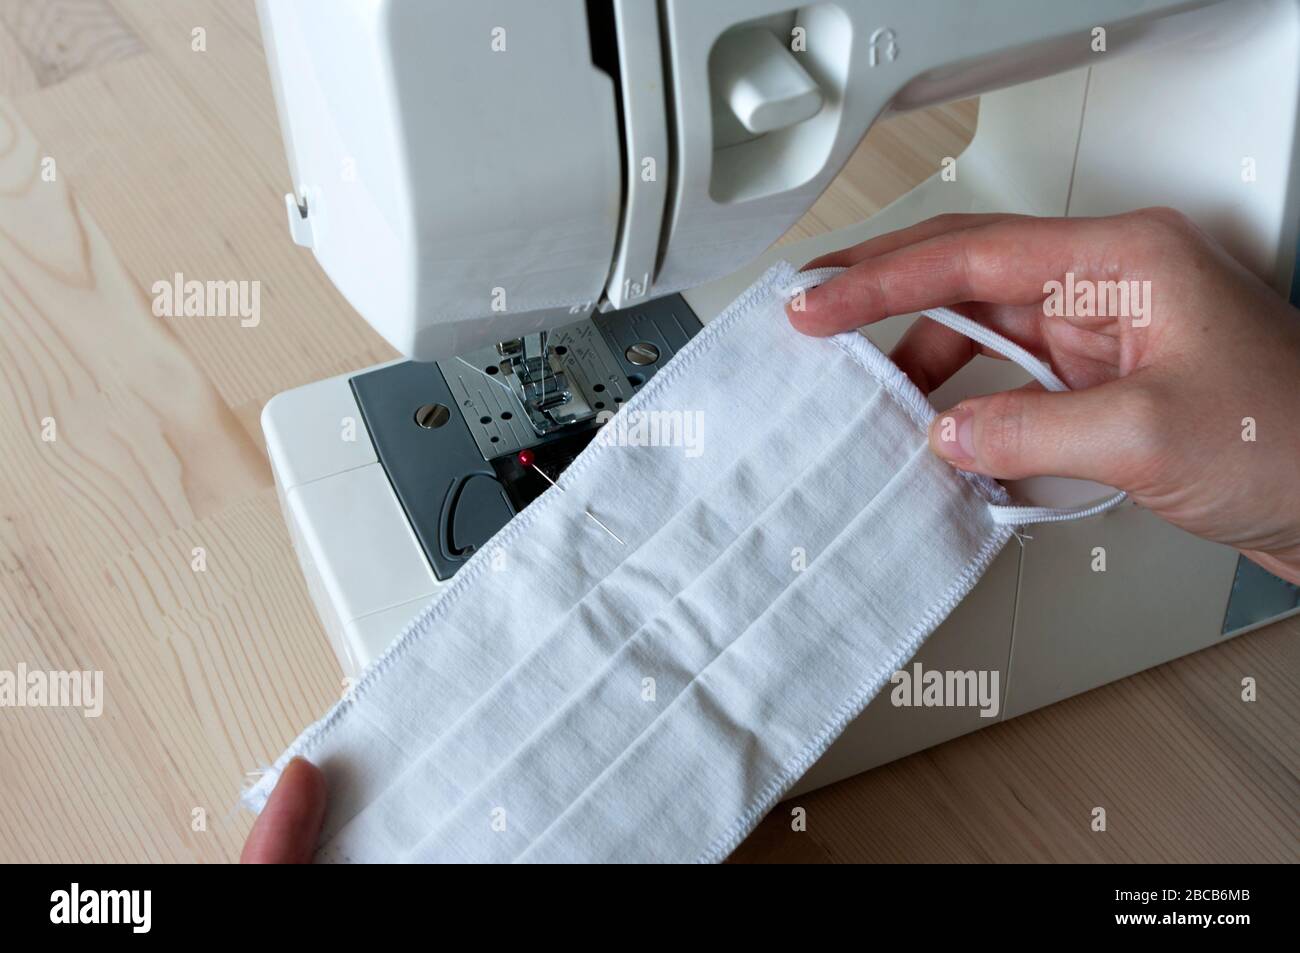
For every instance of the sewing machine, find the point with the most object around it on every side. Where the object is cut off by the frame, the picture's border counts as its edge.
(540, 203)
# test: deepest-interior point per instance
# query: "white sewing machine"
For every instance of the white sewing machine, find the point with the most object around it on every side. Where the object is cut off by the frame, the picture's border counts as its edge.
(545, 198)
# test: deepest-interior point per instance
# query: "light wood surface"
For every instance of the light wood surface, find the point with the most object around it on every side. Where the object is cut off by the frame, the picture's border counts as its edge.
(168, 160)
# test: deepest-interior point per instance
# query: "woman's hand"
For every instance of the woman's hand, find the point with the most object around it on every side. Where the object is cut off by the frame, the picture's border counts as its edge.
(1192, 405)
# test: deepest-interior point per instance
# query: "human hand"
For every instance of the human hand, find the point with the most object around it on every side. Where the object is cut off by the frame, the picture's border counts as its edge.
(1193, 407)
(288, 827)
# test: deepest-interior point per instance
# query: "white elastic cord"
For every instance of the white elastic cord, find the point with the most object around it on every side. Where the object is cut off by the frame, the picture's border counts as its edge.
(1009, 349)
(1004, 515)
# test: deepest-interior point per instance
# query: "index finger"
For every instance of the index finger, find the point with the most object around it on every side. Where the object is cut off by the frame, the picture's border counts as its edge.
(902, 237)
(1003, 262)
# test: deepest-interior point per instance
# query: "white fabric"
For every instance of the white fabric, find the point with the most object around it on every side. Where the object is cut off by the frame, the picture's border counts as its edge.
(768, 582)
(1039, 370)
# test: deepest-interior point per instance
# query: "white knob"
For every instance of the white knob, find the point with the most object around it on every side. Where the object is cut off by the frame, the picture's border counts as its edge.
(763, 82)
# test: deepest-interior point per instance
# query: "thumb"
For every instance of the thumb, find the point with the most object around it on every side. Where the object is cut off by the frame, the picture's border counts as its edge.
(1102, 433)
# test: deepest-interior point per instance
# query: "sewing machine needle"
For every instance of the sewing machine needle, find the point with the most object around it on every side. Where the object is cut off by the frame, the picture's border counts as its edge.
(588, 513)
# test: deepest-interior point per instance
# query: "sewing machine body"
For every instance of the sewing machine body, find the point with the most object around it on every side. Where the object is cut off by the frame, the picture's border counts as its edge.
(601, 255)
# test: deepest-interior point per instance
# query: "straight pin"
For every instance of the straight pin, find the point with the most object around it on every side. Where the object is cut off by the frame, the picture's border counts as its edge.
(526, 458)
(592, 517)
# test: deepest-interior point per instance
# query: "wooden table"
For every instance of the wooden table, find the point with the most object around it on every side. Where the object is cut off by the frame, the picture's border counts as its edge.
(144, 539)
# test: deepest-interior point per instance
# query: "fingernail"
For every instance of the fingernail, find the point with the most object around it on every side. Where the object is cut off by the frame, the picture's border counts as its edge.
(953, 435)
(796, 307)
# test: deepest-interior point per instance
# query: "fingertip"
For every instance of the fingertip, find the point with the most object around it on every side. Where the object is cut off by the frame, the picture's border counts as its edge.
(287, 829)
(306, 777)
(798, 317)
(952, 437)
(812, 311)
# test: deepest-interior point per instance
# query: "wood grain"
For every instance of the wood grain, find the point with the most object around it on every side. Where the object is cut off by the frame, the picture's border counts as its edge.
(1186, 771)
(894, 157)
(58, 38)
(16, 73)
(169, 160)
(141, 148)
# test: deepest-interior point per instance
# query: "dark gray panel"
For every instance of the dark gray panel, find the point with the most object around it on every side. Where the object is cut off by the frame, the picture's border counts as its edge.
(457, 484)
(1257, 596)
(429, 468)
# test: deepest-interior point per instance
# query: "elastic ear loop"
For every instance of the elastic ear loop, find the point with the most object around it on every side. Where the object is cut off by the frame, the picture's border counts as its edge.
(1005, 515)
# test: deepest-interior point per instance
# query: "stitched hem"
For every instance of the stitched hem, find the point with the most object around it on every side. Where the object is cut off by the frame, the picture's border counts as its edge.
(918, 407)
(255, 796)
(908, 396)
(867, 690)
(900, 388)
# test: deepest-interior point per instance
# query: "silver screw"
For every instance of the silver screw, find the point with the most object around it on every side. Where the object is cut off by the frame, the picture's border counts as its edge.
(432, 416)
(642, 353)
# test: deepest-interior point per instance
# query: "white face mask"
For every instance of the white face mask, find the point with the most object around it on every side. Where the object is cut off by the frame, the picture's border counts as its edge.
(641, 662)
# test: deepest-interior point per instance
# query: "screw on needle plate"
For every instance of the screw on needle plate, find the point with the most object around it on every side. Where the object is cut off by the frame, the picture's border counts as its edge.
(526, 459)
